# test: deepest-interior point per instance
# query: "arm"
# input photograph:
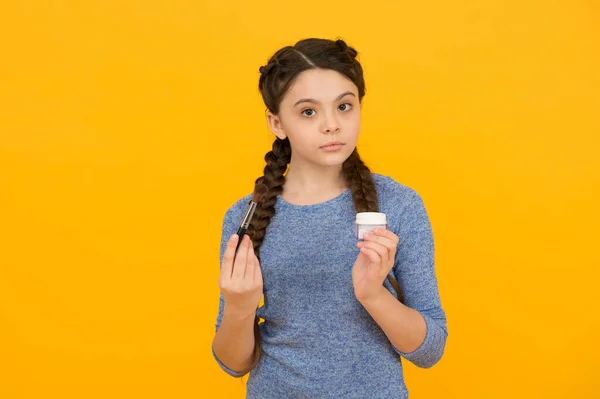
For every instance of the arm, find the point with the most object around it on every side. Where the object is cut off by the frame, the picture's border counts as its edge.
(404, 327)
(416, 329)
(233, 345)
(241, 290)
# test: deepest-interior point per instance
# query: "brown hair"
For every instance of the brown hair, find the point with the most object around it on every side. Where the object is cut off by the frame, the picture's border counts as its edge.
(275, 80)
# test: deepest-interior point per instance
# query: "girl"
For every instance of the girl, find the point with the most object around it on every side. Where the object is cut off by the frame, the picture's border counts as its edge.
(335, 325)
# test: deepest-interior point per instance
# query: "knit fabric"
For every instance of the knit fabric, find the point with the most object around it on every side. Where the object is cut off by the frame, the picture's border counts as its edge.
(318, 341)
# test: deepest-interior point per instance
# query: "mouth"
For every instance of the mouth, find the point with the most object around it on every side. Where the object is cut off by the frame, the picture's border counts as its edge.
(332, 146)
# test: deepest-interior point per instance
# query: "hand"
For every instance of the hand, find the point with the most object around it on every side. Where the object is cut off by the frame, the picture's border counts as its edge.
(240, 282)
(374, 263)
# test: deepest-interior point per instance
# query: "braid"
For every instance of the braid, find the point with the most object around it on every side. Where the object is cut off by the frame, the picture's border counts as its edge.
(277, 161)
(265, 70)
(359, 180)
(346, 49)
(364, 196)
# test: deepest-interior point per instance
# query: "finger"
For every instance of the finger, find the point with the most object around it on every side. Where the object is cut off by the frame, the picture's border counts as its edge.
(385, 232)
(239, 266)
(386, 238)
(371, 254)
(387, 242)
(228, 255)
(249, 261)
(388, 234)
(380, 250)
(257, 271)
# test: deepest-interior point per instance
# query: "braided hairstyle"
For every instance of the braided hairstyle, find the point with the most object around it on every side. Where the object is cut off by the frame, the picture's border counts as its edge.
(275, 80)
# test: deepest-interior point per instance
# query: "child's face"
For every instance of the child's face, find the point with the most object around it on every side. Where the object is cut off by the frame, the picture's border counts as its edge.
(321, 106)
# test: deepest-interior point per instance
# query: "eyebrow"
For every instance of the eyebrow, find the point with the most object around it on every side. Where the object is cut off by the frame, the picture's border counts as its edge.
(310, 100)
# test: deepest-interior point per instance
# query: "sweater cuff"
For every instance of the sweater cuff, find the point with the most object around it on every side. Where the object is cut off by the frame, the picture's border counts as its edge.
(226, 369)
(429, 352)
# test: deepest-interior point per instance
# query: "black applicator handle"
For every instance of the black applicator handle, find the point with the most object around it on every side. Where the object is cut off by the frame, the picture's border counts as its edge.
(245, 224)
(241, 231)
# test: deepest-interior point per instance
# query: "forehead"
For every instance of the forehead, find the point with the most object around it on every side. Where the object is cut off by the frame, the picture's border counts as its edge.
(323, 85)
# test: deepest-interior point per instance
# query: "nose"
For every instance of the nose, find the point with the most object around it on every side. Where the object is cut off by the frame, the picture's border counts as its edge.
(330, 125)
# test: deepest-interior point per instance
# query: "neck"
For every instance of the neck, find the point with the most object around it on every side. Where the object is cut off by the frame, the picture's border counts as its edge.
(313, 180)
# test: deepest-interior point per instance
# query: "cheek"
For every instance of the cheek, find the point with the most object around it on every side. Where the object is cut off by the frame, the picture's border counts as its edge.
(303, 136)
(352, 125)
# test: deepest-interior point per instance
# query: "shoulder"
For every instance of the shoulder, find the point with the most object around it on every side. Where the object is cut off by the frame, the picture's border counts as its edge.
(238, 208)
(402, 204)
(390, 189)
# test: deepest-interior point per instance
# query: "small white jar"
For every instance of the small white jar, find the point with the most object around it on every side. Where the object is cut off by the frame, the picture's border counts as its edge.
(368, 221)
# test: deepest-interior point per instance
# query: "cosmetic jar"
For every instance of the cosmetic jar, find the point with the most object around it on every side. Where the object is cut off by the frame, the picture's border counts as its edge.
(368, 221)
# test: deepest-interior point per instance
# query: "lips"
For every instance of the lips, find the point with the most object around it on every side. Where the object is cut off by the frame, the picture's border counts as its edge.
(332, 147)
(332, 144)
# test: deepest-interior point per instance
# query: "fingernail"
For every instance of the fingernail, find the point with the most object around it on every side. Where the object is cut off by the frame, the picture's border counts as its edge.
(233, 237)
(367, 235)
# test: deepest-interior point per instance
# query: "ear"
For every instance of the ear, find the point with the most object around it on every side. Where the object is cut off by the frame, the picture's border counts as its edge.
(275, 125)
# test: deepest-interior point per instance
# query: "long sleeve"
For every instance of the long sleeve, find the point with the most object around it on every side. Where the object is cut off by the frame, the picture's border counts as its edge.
(228, 228)
(415, 271)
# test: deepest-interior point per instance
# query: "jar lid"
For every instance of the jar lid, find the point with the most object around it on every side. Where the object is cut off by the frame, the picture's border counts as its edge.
(370, 218)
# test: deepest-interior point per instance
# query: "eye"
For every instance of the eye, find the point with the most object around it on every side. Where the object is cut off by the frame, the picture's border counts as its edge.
(308, 112)
(345, 107)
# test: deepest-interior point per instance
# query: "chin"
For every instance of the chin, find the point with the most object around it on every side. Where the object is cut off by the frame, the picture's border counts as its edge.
(336, 159)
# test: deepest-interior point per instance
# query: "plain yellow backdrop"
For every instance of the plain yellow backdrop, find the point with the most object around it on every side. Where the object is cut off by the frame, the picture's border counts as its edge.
(127, 128)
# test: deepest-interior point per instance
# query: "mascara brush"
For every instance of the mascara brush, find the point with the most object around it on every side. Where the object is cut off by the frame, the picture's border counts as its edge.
(260, 190)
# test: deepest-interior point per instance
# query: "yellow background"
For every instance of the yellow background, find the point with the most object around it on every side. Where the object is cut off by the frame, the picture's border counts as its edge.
(127, 128)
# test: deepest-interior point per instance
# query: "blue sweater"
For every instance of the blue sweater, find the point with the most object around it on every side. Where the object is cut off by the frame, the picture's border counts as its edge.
(318, 340)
